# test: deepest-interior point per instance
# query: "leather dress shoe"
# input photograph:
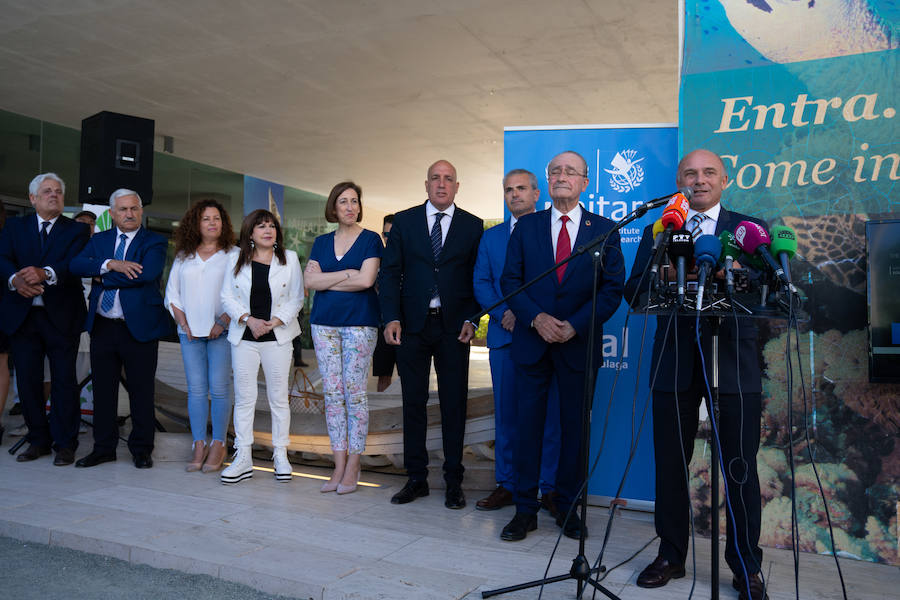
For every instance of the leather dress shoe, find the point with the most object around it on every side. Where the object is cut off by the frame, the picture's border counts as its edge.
(64, 456)
(454, 497)
(143, 461)
(499, 498)
(757, 589)
(548, 503)
(95, 458)
(410, 491)
(33, 452)
(571, 528)
(658, 573)
(519, 527)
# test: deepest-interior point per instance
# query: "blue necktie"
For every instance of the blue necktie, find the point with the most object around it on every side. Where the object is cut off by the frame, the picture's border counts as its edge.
(109, 296)
(44, 234)
(436, 244)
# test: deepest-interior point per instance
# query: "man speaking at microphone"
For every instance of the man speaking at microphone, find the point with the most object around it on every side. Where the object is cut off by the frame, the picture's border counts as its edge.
(553, 319)
(680, 386)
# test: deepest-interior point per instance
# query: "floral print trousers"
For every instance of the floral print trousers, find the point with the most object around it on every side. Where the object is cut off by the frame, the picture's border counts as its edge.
(344, 355)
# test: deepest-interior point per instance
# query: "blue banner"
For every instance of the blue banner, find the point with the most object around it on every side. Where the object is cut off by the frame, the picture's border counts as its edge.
(627, 165)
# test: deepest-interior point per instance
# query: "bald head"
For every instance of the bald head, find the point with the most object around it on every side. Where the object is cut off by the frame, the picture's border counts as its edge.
(703, 171)
(441, 184)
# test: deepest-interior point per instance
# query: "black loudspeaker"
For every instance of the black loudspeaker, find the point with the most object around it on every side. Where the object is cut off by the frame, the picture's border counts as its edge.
(116, 152)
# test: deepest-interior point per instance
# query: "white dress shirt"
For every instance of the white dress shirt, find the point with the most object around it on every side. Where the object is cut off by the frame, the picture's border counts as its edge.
(571, 226)
(707, 227)
(116, 311)
(51, 279)
(195, 287)
(430, 212)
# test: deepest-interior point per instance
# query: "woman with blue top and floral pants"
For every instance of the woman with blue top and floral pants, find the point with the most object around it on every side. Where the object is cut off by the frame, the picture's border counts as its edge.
(342, 269)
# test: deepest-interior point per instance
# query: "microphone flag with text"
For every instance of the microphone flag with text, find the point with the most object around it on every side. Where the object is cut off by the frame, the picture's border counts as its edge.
(730, 252)
(681, 249)
(784, 246)
(673, 218)
(754, 241)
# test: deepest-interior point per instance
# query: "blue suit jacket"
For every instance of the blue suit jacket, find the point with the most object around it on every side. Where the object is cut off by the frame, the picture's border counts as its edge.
(738, 352)
(529, 254)
(141, 301)
(20, 247)
(409, 271)
(488, 269)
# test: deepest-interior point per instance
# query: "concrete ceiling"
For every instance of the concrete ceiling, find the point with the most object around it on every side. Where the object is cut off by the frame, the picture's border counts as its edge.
(310, 92)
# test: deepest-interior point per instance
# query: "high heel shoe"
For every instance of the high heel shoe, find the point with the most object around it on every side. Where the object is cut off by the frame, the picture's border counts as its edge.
(349, 489)
(329, 486)
(216, 457)
(200, 449)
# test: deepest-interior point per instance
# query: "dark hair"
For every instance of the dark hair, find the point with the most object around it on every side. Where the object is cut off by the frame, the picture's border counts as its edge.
(85, 213)
(250, 221)
(187, 235)
(388, 219)
(330, 211)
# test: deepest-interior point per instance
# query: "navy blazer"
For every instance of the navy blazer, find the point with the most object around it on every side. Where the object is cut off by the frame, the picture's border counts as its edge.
(530, 253)
(141, 301)
(409, 272)
(488, 269)
(738, 351)
(20, 247)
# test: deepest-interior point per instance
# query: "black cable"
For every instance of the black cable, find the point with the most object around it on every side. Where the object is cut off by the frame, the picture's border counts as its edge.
(812, 462)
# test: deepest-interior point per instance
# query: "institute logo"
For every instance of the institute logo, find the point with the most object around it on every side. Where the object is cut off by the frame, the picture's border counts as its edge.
(626, 174)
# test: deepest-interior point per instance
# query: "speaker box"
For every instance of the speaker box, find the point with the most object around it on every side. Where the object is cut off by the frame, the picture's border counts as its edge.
(116, 152)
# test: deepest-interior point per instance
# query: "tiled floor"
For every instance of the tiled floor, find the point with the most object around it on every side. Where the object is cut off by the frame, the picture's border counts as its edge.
(290, 539)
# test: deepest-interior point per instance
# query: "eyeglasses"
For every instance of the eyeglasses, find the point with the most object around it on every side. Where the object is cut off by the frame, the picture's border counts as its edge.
(558, 172)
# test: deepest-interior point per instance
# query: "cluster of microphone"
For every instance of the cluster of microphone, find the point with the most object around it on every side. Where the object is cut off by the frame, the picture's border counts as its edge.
(750, 243)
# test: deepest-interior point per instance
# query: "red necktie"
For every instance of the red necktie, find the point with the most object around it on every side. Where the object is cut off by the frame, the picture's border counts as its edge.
(563, 247)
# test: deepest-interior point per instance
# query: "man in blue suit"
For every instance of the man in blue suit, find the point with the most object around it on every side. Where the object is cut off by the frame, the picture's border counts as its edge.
(521, 193)
(43, 314)
(125, 319)
(550, 338)
(425, 290)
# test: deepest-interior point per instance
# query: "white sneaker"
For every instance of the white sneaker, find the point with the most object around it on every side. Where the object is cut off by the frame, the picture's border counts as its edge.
(241, 466)
(282, 466)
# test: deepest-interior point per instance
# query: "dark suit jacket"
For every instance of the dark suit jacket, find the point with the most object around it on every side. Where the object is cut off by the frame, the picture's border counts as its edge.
(738, 351)
(141, 301)
(409, 272)
(20, 247)
(530, 252)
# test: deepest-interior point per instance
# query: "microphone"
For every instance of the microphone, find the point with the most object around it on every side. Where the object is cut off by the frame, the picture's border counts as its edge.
(784, 246)
(673, 218)
(686, 191)
(754, 240)
(707, 250)
(681, 248)
(730, 251)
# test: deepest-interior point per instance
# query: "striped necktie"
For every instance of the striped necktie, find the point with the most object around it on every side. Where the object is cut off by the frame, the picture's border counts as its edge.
(436, 244)
(694, 225)
(109, 296)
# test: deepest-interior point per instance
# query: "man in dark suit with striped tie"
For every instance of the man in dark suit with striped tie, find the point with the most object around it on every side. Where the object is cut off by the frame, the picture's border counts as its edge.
(43, 313)
(425, 289)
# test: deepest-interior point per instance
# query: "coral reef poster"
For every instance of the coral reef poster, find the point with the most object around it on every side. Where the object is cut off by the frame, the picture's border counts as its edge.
(800, 98)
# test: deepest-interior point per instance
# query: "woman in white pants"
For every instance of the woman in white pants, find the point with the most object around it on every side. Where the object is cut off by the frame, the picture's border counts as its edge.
(262, 293)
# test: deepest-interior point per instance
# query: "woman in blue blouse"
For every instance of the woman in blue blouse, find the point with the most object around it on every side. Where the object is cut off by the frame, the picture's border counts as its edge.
(342, 268)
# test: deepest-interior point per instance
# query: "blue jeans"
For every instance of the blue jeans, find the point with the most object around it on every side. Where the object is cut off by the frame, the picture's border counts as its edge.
(207, 367)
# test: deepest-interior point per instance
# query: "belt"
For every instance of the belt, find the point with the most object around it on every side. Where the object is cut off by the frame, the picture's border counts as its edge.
(434, 311)
(115, 320)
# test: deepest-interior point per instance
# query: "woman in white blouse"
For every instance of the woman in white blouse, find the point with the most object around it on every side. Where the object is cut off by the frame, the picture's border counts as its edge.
(263, 292)
(193, 296)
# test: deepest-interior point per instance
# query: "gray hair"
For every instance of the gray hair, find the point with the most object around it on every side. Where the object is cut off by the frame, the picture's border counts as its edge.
(37, 181)
(583, 161)
(531, 176)
(121, 193)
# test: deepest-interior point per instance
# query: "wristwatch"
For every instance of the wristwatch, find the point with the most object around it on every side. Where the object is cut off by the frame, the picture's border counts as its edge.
(243, 320)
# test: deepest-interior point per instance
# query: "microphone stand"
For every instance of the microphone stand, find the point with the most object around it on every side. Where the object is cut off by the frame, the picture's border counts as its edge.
(581, 570)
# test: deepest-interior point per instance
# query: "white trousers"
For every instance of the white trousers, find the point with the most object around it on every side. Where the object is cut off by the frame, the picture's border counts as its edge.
(276, 363)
